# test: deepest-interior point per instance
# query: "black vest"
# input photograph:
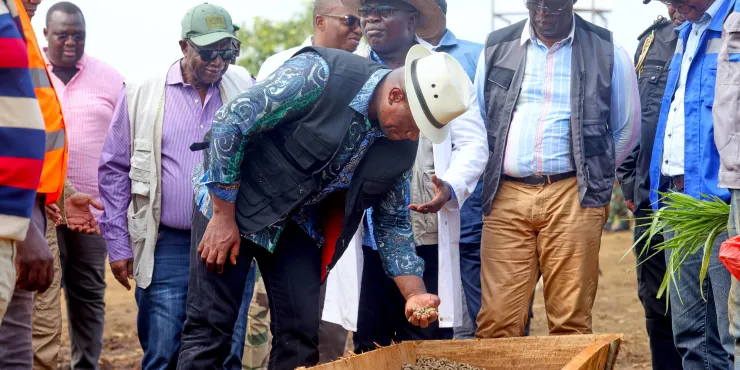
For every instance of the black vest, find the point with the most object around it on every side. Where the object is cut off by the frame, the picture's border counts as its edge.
(281, 167)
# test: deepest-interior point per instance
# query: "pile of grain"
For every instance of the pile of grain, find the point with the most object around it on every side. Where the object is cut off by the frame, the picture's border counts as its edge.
(428, 363)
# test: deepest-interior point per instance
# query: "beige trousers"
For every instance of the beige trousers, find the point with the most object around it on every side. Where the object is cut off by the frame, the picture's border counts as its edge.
(535, 231)
(47, 313)
(7, 274)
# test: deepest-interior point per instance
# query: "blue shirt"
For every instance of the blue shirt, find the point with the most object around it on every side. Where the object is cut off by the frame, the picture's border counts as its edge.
(294, 88)
(701, 160)
(466, 53)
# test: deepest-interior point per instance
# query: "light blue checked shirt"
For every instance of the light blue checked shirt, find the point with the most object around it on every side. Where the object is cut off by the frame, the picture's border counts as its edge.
(539, 140)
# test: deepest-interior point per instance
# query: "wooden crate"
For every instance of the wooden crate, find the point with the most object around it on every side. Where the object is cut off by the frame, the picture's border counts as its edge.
(576, 352)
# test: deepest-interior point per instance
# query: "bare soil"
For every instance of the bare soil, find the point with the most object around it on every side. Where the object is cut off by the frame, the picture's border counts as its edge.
(617, 310)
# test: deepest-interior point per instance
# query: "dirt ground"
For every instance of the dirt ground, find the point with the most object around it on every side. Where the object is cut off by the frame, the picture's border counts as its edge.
(617, 310)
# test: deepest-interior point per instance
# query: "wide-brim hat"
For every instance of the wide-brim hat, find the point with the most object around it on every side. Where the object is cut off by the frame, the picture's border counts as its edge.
(430, 15)
(437, 89)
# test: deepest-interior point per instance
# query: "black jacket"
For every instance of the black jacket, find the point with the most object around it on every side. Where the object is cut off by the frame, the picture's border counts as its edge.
(633, 174)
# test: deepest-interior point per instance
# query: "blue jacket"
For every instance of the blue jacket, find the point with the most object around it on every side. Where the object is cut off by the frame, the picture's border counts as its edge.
(701, 158)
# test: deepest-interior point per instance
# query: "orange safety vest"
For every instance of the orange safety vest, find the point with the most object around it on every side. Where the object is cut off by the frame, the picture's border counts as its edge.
(55, 159)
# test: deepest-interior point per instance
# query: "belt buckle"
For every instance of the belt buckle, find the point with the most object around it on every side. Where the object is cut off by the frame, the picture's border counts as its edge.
(541, 179)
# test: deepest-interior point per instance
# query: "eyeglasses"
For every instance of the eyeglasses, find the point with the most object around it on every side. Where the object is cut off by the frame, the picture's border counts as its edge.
(208, 55)
(532, 5)
(383, 11)
(349, 20)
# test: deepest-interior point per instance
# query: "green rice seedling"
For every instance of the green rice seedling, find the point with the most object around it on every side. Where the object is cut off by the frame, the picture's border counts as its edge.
(695, 224)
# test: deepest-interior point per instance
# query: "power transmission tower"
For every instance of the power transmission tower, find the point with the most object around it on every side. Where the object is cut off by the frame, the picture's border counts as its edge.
(501, 19)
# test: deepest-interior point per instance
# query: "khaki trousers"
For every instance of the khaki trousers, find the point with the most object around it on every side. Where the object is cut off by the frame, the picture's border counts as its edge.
(535, 231)
(47, 313)
(7, 274)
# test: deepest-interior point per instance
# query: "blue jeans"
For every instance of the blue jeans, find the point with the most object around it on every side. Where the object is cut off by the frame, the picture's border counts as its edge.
(700, 327)
(734, 300)
(470, 276)
(162, 304)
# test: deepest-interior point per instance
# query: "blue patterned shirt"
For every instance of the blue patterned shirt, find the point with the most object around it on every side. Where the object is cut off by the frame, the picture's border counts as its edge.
(293, 89)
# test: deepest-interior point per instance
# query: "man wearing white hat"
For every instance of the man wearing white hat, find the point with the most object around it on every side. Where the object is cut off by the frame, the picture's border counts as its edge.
(339, 140)
(445, 173)
(334, 27)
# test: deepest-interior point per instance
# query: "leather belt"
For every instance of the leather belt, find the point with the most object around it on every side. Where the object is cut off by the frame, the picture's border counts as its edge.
(541, 180)
(677, 182)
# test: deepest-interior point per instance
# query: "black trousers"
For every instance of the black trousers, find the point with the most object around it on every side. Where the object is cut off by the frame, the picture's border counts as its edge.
(381, 318)
(292, 276)
(657, 319)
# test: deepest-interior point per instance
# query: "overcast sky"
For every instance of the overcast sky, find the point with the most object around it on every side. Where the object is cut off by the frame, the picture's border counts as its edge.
(139, 37)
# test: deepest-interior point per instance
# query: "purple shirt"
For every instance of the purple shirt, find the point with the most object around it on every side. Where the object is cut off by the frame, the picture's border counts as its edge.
(186, 120)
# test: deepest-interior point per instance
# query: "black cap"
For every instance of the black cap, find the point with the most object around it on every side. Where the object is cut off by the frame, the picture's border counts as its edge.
(645, 1)
(443, 5)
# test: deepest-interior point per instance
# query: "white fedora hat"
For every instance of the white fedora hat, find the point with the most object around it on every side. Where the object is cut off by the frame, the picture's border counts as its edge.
(430, 14)
(438, 91)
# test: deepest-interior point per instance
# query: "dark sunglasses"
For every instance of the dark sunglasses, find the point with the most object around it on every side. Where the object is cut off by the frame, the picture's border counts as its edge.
(533, 5)
(349, 20)
(383, 11)
(207, 55)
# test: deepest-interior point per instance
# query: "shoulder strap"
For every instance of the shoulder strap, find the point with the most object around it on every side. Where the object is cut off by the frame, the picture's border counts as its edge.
(643, 55)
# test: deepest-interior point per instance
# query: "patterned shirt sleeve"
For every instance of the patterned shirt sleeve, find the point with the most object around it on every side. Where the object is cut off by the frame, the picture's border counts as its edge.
(288, 92)
(393, 234)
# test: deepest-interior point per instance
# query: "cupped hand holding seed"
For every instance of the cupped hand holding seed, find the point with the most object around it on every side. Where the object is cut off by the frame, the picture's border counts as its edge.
(421, 309)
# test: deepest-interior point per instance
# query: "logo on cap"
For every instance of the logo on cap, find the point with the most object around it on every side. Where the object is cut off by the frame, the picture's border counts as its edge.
(215, 21)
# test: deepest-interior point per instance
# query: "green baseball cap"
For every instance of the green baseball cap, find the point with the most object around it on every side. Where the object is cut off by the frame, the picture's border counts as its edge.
(206, 24)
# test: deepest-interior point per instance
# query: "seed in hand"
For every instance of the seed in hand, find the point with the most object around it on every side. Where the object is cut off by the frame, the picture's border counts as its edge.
(419, 312)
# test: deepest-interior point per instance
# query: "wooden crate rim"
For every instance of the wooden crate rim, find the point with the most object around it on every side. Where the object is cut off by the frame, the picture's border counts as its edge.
(591, 345)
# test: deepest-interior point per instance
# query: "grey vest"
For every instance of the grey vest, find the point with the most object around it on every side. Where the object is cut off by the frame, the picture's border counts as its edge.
(591, 137)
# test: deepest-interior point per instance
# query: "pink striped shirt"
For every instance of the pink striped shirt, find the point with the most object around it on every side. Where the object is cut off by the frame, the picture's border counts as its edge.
(88, 102)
